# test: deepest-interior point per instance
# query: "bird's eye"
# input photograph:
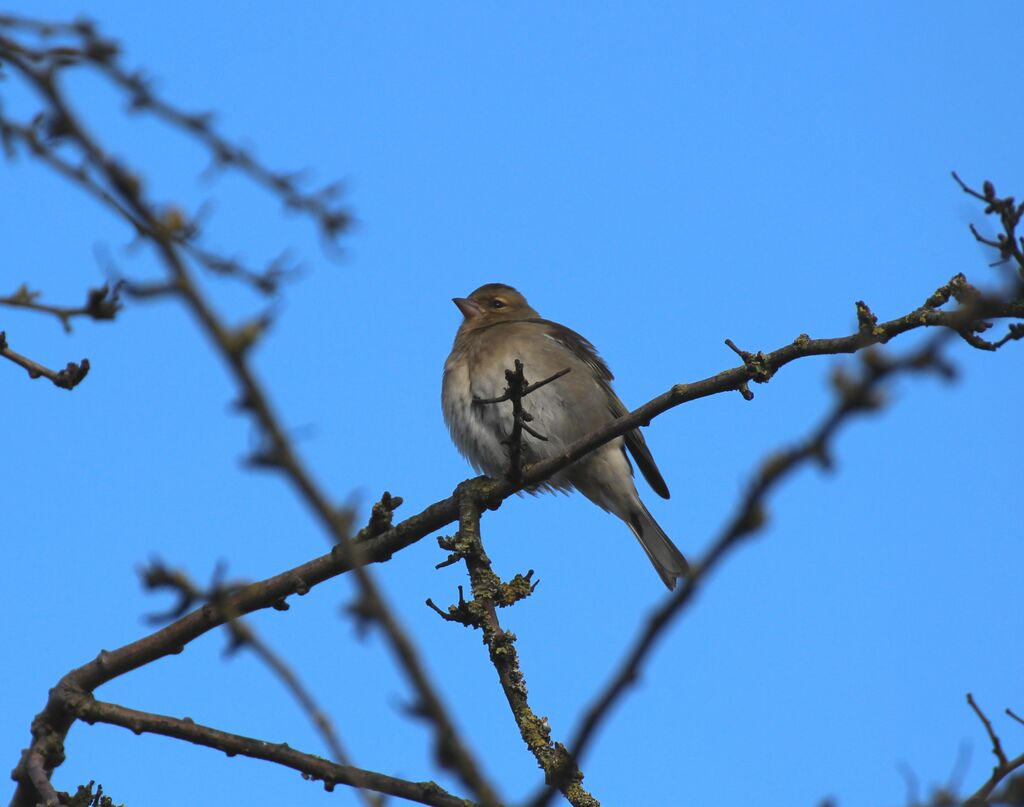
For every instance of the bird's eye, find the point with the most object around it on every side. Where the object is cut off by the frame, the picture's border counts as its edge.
(497, 303)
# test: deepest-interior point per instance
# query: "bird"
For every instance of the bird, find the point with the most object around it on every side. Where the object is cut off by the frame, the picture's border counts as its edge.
(498, 327)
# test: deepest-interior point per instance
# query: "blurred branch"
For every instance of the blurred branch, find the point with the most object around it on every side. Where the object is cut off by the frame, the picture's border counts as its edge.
(102, 303)
(123, 190)
(1003, 768)
(1009, 245)
(489, 594)
(310, 766)
(242, 634)
(68, 378)
(82, 45)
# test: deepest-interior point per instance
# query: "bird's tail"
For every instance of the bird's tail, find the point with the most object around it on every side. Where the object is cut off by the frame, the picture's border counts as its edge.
(668, 561)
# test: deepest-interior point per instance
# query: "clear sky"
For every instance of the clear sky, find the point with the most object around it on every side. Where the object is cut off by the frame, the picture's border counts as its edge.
(657, 176)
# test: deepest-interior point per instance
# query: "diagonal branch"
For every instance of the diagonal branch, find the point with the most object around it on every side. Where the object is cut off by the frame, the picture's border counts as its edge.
(997, 746)
(242, 634)
(1003, 767)
(89, 47)
(310, 766)
(853, 397)
(68, 378)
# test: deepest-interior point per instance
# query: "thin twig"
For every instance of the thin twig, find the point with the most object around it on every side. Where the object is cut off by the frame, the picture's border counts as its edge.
(997, 747)
(516, 390)
(101, 304)
(1007, 242)
(526, 390)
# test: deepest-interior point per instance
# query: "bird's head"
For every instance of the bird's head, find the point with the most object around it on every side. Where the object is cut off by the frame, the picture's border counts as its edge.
(493, 303)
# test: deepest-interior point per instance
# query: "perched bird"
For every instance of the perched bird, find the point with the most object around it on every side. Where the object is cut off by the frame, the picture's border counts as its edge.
(498, 327)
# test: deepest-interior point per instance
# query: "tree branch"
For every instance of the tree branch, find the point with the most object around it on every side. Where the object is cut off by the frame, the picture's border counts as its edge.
(310, 766)
(489, 594)
(242, 634)
(854, 396)
(102, 303)
(1003, 767)
(68, 378)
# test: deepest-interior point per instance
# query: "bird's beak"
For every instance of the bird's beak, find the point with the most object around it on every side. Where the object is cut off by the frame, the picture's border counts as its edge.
(467, 307)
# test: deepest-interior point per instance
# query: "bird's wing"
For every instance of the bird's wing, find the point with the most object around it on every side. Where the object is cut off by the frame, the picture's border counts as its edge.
(583, 350)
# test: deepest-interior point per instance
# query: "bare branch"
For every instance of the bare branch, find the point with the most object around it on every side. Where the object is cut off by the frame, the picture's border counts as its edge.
(68, 378)
(750, 517)
(88, 47)
(1007, 242)
(242, 634)
(101, 303)
(1003, 767)
(997, 747)
(489, 594)
(310, 766)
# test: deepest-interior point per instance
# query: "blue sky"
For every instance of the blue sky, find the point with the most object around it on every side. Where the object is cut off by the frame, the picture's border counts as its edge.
(659, 178)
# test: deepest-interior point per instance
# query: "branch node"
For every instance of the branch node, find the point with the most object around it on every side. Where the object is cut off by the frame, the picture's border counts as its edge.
(997, 747)
(758, 365)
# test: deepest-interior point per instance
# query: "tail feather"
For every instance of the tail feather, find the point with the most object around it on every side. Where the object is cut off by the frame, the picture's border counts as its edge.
(666, 558)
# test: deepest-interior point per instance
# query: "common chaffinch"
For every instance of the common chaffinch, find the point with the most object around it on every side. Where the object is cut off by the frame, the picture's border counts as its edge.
(498, 327)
